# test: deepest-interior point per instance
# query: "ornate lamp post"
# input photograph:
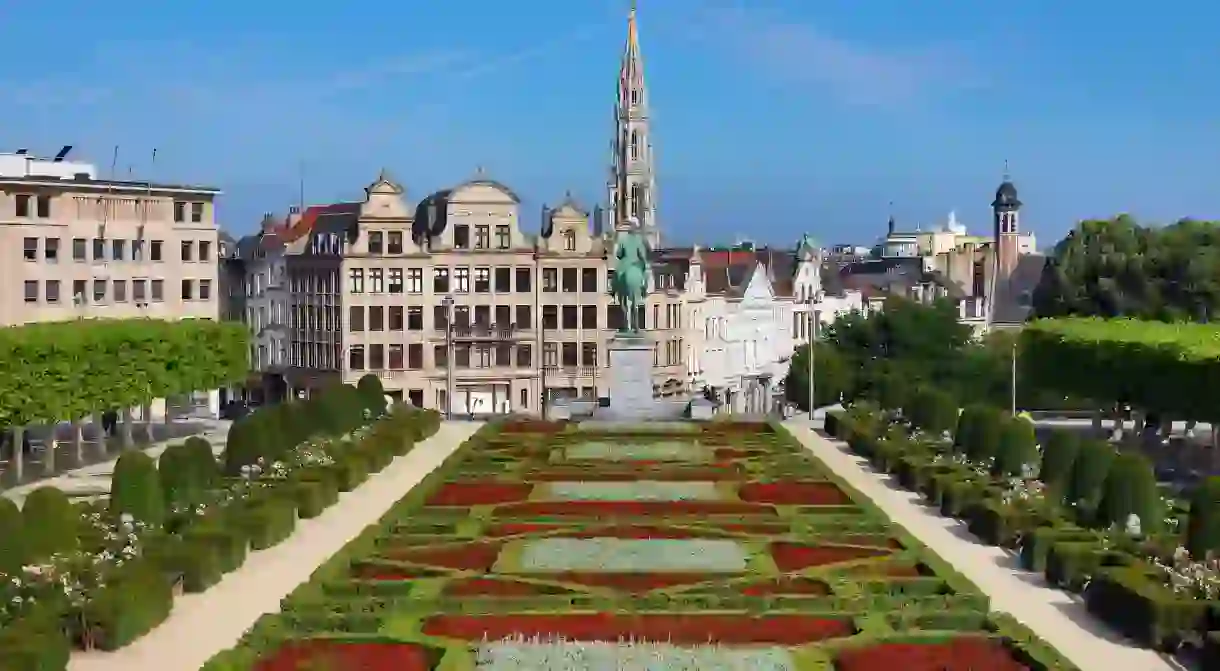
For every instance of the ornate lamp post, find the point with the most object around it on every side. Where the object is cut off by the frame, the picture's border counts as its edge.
(447, 302)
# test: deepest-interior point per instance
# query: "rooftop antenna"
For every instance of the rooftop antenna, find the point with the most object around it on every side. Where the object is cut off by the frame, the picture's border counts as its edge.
(106, 199)
(1007, 176)
(147, 194)
(301, 184)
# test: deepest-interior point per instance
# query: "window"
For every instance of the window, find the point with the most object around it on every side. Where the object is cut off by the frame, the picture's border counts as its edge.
(569, 317)
(569, 279)
(550, 354)
(376, 318)
(415, 280)
(550, 280)
(78, 291)
(205, 250)
(138, 292)
(154, 250)
(461, 236)
(550, 317)
(376, 280)
(99, 291)
(461, 280)
(523, 280)
(355, 281)
(396, 356)
(588, 280)
(523, 320)
(504, 280)
(355, 318)
(205, 290)
(179, 211)
(525, 355)
(187, 248)
(588, 316)
(440, 317)
(588, 354)
(394, 284)
(186, 290)
(196, 212)
(99, 249)
(395, 318)
(157, 290)
(31, 291)
(637, 200)
(635, 141)
(118, 250)
(504, 316)
(525, 399)
(440, 280)
(44, 207)
(30, 249)
(376, 242)
(376, 356)
(355, 357)
(461, 315)
(569, 354)
(415, 318)
(482, 315)
(23, 205)
(482, 280)
(482, 235)
(504, 355)
(415, 356)
(569, 240)
(118, 290)
(614, 317)
(394, 245)
(461, 356)
(482, 356)
(440, 356)
(52, 291)
(78, 249)
(503, 237)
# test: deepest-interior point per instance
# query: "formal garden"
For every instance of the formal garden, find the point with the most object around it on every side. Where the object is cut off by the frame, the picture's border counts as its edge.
(102, 574)
(717, 546)
(1087, 513)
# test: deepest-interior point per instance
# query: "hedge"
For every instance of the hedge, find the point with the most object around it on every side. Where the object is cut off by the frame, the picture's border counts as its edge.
(1203, 527)
(60, 371)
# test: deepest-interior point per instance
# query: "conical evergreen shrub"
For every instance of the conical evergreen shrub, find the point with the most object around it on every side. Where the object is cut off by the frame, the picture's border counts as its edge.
(985, 435)
(1089, 472)
(1017, 447)
(967, 428)
(12, 537)
(50, 522)
(1203, 527)
(372, 394)
(1130, 489)
(135, 489)
(1058, 455)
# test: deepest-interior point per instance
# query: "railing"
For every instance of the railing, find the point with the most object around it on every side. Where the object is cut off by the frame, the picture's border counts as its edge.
(485, 332)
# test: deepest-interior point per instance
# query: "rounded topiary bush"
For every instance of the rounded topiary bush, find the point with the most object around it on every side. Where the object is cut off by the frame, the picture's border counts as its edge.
(200, 460)
(942, 412)
(50, 523)
(1130, 489)
(171, 469)
(1018, 447)
(1089, 472)
(967, 428)
(985, 435)
(1058, 455)
(893, 391)
(372, 394)
(1203, 527)
(241, 444)
(12, 537)
(135, 489)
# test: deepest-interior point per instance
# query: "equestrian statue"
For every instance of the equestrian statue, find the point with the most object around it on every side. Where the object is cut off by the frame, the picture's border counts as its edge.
(630, 273)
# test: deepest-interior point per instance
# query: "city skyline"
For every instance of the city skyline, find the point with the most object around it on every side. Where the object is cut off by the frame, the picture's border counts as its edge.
(923, 117)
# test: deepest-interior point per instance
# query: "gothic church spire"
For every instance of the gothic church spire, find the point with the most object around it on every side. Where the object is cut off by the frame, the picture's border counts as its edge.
(632, 185)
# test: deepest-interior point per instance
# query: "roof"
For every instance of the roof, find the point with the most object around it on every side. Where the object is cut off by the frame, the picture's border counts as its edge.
(117, 184)
(1013, 301)
(886, 275)
(1006, 196)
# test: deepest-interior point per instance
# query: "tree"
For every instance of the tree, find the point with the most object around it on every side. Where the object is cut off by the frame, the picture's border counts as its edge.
(1130, 489)
(1017, 447)
(832, 376)
(1089, 472)
(135, 489)
(967, 427)
(1203, 527)
(985, 435)
(1058, 456)
(50, 523)
(924, 341)
(372, 395)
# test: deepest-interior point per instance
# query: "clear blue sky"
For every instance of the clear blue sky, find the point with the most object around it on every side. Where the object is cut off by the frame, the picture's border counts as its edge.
(772, 117)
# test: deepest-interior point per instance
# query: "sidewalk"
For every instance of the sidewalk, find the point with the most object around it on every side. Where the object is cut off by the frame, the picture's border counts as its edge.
(1053, 614)
(202, 625)
(94, 479)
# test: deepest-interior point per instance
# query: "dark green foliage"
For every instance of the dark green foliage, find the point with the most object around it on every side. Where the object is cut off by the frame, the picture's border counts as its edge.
(1130, 488)
(985, 435)
(1089, 472)
(12, 537)
(1058, 455)
(242, 444)
(372, 395)
(187, 471)
(135, 489)
(1017, 447)
(201, 462)
(832, 376)
(50, 524)
(967, 427)
(893, 391)
(933, 410)
(33, 643)
(1203, 528)
(129, 607)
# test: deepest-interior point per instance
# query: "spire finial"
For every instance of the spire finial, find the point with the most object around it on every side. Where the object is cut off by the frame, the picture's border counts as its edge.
(1007, 176)
(890, 225)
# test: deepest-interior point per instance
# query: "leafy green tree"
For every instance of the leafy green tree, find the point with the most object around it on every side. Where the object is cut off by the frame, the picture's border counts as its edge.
(372, 394)
(832, 376)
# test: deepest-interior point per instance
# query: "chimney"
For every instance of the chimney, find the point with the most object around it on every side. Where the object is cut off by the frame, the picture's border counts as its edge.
(294, 210)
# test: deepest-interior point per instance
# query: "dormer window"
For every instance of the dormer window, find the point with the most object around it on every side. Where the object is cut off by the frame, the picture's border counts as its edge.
(569, 240)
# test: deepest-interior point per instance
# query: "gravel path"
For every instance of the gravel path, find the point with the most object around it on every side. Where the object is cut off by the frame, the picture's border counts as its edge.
(1058, 617)
(202, 625)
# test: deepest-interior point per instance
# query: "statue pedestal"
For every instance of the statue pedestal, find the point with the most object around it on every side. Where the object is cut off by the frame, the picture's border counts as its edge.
(631, 378)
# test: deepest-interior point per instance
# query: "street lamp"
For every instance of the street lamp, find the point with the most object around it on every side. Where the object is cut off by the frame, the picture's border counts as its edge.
(447, 303)
(1013, 409)
(816, 318)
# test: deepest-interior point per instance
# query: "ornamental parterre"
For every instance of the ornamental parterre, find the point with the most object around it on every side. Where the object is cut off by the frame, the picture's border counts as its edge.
(710, 547)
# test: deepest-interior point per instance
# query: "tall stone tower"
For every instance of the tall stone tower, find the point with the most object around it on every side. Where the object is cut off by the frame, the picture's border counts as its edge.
(1006, 217)
(633, 185)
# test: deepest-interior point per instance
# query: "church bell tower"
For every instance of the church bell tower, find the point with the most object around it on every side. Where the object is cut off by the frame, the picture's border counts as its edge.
(632, 188)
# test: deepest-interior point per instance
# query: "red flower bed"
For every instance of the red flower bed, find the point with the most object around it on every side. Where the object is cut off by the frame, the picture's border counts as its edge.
(387, 572)
(516, 528)
(793, 493)
(467, 494)
(492, 587)
(760, 528)
(675, 474)
(634, 583)
(602, 509)
(791, 557)
(787, 585)
(730, 453)
(961, 654)
(678, 629)
(368, 656)
(465, 556)
(887, 570)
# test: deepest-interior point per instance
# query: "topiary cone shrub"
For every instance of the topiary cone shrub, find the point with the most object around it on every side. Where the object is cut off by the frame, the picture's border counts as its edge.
(135, 489)
(241, 444)
(12, 537)
(200, 461)
(985, 435)
(1203, 526)
(171, 470)
(943, 412)
(967, 428)
(893, 392)
(50, 523)
(1018, 446)
(1089, 473)
(372, 394)
(1130, 489)
(1058, 456)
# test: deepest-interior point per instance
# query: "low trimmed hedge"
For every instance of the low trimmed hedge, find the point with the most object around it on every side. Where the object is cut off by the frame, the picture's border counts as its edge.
(1142, 607)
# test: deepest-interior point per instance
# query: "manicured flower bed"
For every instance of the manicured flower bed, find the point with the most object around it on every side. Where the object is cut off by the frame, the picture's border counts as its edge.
(366, 656)
(721, 547)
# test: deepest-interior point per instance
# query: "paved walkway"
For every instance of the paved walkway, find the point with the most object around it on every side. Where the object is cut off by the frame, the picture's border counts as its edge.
(1056, 616)
(94, 480)
(202, 625)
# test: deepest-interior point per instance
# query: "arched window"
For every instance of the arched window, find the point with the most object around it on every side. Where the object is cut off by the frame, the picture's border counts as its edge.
(635, 145)
(569, 240)
(634, 209)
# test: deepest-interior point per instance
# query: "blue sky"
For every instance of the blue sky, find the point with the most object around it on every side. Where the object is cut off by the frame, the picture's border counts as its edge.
(772, 117)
